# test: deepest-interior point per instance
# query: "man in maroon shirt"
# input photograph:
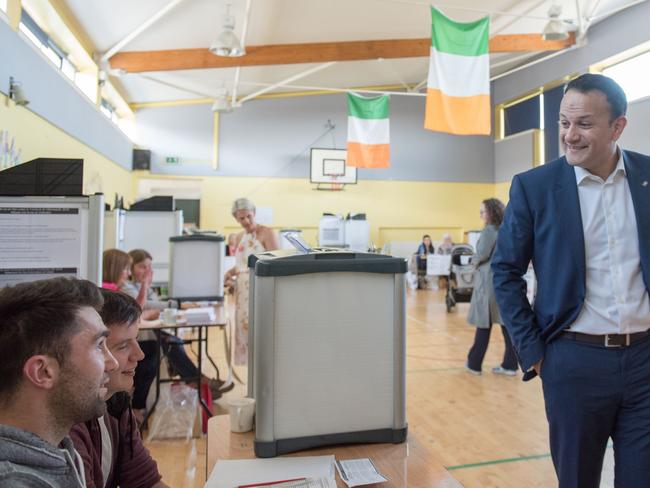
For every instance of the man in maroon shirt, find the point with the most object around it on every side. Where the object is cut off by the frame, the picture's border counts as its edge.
(111, 446)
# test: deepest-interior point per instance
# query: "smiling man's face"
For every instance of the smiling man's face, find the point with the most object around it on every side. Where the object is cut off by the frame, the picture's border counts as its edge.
(587, 131)
(123, 343)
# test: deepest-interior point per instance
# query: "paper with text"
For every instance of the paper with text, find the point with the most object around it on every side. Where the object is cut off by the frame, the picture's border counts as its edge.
(357, 472)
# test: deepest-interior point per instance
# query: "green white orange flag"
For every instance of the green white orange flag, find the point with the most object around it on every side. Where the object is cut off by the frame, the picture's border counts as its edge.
(368, 132)
(458, 87)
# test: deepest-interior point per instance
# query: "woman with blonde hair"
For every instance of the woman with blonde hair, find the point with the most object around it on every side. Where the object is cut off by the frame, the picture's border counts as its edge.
(253, 239)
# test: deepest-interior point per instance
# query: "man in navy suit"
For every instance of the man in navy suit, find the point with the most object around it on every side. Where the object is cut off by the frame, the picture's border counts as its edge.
(584, 222)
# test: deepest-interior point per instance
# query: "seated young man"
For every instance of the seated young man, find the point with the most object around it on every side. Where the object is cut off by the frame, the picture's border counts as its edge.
(110, 446)
(54, 369)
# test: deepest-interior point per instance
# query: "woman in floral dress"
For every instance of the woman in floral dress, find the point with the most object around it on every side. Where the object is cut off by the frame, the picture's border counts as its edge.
(253, 239)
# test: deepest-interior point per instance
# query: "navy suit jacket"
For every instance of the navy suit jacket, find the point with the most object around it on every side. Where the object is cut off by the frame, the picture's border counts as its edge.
(543, 224)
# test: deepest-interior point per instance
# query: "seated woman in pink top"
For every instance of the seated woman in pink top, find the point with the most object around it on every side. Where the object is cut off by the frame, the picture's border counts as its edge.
(116, 269)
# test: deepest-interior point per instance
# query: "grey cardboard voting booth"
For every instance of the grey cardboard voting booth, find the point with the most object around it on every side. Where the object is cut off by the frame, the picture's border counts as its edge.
(196, 267)
(45, 237)
(327, 344)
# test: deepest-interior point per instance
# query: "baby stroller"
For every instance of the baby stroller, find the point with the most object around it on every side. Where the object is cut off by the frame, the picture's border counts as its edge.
(461, 278)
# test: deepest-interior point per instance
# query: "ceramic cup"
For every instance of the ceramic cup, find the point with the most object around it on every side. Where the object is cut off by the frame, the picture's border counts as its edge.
(242, 411)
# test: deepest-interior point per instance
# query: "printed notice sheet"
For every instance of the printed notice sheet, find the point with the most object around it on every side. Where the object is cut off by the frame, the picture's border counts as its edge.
(357, 472)
(39, 242)
(438, 264)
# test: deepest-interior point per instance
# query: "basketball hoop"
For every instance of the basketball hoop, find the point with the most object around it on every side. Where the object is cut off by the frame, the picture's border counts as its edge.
(329, 171)
(333, 185)
(336, 185)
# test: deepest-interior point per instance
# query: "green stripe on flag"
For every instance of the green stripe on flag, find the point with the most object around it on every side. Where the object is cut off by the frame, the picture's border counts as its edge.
(368, 108)
(465, 39)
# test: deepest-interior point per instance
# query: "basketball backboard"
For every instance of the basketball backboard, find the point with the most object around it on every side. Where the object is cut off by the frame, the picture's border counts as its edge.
(328, 166)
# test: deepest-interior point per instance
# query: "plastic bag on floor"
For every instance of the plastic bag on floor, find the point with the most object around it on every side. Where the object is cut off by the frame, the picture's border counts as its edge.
(175, 413)
(411, 280)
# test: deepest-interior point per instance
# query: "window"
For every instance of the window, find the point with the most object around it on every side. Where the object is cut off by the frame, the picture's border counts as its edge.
(52, 51)
(628, 74)
(538, 110)
(552, 99)
(523, 116)
(3, 5)
(107, 109)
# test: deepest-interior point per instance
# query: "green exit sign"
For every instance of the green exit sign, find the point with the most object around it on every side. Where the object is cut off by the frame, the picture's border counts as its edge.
(172, 159)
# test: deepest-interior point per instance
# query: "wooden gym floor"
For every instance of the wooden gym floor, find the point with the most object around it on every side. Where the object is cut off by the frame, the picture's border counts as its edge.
(489, 430)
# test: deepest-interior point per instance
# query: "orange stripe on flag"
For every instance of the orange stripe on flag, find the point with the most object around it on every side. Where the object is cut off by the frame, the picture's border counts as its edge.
(368, 155)
(457, 115)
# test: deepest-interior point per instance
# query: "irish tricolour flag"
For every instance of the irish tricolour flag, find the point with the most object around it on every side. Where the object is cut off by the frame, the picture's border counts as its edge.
(458, 88)
(368, 132)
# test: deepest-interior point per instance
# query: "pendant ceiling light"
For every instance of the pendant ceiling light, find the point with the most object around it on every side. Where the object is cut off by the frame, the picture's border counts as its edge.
(221, 101)
(227, 44)
(555, 29)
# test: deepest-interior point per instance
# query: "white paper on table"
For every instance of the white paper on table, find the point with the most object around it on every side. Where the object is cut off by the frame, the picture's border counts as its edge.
(438, 264)
(308, 483)
(202, 315)
(357, 472)
(230, 473)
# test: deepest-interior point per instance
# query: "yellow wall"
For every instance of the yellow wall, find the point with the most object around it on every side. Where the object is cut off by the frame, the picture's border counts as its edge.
(36, 137)
(502, 191)
(396, 210)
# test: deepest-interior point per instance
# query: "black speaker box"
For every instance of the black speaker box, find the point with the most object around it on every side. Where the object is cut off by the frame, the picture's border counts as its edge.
(142, 159)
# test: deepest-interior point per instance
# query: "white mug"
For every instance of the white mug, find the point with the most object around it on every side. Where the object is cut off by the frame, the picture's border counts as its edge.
(242, 411)
(169, 316)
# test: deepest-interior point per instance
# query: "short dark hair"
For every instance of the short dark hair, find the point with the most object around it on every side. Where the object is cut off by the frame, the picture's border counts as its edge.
(495, 209)
(39, 318)
(119, 308)
(613, 92)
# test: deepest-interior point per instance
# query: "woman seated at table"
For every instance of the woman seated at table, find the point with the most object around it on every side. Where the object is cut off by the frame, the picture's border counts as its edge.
(117, 268)
(446, 246)
(424, 249)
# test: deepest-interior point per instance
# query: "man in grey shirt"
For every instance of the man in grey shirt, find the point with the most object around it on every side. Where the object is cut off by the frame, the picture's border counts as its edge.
(54, 368)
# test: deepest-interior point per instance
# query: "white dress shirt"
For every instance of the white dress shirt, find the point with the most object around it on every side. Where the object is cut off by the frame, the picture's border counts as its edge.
(616, 301)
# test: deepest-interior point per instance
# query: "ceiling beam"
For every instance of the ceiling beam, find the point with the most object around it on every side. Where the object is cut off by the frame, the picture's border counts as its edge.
(180, 59)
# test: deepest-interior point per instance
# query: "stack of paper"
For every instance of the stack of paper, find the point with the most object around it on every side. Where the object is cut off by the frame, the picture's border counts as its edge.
(317, 471)
(299, 483)
(198, 316)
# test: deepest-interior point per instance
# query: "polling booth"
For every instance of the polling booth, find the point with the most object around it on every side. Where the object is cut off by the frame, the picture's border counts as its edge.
(196, 267)
(145, 229)
(48, 228)
(114, 229)
(44, 237)
(327, 349)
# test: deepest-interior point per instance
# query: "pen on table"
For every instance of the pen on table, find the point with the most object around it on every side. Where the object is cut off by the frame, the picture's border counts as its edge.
(268, 483)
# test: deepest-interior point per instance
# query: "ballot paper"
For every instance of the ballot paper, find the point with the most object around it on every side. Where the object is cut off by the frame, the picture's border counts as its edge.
(241, 472)
(199, 316)
(357, 472)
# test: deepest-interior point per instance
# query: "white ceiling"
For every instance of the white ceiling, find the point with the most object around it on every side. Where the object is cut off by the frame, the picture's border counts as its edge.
(195, 24)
